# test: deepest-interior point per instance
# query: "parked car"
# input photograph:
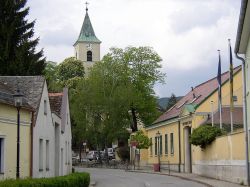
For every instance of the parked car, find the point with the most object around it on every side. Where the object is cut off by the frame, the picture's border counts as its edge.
(92, 155)
(111, 153)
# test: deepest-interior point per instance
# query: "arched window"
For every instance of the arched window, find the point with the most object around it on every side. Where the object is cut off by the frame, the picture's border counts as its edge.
(89, 56)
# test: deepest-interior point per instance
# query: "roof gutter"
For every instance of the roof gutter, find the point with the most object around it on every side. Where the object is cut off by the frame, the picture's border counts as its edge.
(240, 25)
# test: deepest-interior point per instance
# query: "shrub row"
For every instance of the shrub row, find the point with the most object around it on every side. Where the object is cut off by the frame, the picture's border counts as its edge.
(72, 180)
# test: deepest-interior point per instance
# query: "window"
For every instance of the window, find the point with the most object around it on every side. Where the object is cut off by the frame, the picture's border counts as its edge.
(1, 155)
(89, 56)
(151, 147)
(172, 142)
(45, 107)
(47, 155)
(66, 152)
(160, 145)
(156, 146)
(40, 154)
(166, 144)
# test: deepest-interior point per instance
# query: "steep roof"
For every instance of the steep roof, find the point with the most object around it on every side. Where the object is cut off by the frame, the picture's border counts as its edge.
(195, 96)
(87, 33)
(237, 116)
(55, 100)
(30, 86)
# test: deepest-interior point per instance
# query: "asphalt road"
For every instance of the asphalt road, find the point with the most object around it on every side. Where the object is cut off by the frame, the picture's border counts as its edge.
(119, 178)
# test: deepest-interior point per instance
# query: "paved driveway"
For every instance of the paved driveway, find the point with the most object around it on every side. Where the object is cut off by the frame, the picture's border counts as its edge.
(120, 178)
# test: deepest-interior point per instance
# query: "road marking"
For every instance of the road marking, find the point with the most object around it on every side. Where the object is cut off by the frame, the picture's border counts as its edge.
(146, 184)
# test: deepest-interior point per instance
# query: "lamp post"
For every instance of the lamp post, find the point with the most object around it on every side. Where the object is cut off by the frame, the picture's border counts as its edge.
(18, 98)
(158, 134)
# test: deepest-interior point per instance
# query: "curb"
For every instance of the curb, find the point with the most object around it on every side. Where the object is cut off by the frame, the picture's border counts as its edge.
(92, 183)
(177, 176)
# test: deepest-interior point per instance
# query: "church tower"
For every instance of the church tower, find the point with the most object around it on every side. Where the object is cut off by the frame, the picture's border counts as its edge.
(87, 46)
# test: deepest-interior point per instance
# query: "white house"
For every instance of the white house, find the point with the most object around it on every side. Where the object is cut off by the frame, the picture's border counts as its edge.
(59, 104)
(47, 136)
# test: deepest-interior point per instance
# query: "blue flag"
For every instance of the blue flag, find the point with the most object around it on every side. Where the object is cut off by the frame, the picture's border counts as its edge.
(219, 80)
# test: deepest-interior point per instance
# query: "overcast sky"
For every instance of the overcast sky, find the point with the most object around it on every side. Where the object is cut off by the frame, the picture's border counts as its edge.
(185, 33)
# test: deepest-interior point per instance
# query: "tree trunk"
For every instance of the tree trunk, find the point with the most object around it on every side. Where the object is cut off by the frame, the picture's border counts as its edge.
(134, 125)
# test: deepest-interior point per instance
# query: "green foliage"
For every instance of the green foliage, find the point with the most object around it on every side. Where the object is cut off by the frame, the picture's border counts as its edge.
(143, 142)
(172, 101)
(123, 153)
(66, 74)
(122, 82)
(70, 68)
(72, 180)
(18, 54)
(204, 135)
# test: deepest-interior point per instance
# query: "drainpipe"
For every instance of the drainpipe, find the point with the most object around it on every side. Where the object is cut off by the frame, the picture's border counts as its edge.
(179, 137)
(245, 114)
(31, 144)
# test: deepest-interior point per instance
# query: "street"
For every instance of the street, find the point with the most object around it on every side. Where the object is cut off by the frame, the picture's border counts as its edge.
(120, 178)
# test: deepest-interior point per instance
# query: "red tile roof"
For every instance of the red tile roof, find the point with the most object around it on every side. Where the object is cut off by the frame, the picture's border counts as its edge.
(201, 92)
(55, 100)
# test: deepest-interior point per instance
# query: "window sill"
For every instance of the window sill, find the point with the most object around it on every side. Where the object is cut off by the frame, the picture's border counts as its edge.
(172, 154)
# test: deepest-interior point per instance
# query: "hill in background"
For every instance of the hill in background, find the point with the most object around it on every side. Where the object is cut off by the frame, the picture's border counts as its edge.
(163, 102)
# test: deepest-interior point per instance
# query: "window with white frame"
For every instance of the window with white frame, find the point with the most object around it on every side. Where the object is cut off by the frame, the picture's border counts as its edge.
(40, 154)
(166, 144)
(156, 149)
(172, 142)
(47, 155)
(160, 139)
(1, 155)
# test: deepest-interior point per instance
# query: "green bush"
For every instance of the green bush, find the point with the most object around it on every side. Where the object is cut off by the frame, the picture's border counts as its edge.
(204, 135)
(72, 180)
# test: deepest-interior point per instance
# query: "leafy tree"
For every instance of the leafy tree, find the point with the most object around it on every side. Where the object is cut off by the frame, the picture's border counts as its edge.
(70, 68)
(117, 93)
(143, 142)
(172, 101)
(18, 54)
(204, 135)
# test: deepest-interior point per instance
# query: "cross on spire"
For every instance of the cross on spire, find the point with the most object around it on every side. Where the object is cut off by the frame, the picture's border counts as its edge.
(86, 6)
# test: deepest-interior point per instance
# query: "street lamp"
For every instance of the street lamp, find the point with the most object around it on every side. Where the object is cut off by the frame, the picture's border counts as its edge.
(18, 99)
(158, 134)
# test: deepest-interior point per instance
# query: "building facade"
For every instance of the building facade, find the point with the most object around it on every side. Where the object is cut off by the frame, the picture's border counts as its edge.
(8, 136)
(224, 158)
(46, 136)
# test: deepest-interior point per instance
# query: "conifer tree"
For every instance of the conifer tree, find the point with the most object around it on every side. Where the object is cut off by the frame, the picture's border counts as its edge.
(18, 55)
(172, 101)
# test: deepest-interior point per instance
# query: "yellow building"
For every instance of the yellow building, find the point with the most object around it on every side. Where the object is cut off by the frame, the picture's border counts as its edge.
(193, 110)
(8, 136)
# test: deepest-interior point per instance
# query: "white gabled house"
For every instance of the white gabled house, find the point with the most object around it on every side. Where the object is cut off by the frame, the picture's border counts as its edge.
(59, 104)
(50, 132)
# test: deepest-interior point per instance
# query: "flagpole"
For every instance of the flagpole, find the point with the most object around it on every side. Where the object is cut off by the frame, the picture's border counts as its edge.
(231, 83)
(219, 89)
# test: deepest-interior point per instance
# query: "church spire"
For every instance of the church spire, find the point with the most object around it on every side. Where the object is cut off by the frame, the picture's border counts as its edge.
(87, 33)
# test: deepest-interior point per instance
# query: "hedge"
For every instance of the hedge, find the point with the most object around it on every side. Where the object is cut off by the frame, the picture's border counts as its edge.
(72, 180)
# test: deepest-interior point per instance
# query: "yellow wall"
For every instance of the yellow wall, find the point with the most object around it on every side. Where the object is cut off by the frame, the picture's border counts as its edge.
(217, 149)
(228, 147)
(224, 147)
(166, 129)
(225, 91)
(8, 131)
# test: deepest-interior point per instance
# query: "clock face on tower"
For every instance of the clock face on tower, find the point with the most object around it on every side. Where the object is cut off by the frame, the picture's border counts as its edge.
(89, 46)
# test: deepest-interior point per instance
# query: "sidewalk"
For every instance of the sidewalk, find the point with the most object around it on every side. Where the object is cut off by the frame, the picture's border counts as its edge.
(193, 177)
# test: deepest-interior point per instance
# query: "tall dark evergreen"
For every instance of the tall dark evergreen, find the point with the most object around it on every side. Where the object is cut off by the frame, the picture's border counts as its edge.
(172, 101)
(18, 55)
